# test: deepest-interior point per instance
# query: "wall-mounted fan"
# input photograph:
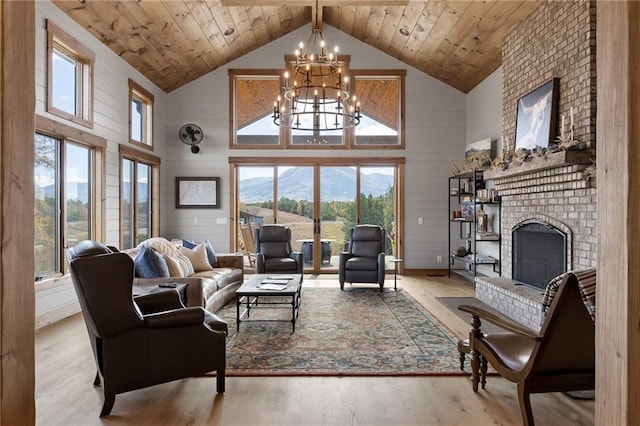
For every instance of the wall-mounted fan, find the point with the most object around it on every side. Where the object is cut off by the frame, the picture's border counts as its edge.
(191, 134)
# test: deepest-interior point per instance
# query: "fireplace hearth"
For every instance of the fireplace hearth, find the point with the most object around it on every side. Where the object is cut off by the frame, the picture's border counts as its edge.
(539, 253)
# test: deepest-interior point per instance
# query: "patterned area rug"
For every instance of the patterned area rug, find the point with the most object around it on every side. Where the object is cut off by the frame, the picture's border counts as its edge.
(359, 332)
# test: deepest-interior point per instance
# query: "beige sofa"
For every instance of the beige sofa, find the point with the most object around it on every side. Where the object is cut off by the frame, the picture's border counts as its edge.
(211, 289)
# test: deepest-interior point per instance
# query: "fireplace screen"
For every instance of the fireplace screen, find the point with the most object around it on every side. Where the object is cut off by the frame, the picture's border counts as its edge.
(539, 253)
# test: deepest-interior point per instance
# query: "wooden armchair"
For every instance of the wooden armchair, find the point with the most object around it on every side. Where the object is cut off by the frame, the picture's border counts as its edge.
(561, 357)
(249, 244)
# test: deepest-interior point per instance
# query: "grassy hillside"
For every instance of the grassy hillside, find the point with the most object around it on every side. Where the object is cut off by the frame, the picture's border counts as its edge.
(302, 227)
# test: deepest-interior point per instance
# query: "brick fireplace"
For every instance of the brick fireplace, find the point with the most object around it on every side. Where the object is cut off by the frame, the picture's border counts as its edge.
(556, 40)
(563, 197)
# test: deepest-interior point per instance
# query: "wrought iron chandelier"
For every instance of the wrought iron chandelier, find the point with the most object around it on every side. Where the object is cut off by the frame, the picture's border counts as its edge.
(315, 96)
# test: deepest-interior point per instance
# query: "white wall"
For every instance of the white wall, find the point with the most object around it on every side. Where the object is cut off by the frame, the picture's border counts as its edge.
(111, 109)
(435, 133)
(484, 120)
(484, 110)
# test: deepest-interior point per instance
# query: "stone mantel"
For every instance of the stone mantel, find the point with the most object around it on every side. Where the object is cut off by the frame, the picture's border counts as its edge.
(550, 161)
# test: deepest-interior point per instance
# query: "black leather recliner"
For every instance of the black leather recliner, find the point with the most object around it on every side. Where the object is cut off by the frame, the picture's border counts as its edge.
(274, 253)
(363, 262)
(145, 341)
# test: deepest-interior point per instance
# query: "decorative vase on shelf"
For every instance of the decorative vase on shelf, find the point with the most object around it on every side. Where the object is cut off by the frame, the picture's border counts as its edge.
(482, 221)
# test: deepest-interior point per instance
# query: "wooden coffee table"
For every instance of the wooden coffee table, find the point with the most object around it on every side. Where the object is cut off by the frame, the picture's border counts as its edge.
(249, 294)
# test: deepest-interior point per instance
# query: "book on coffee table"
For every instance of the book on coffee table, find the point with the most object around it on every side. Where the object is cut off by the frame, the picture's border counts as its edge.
(275, 281)
(271, 286)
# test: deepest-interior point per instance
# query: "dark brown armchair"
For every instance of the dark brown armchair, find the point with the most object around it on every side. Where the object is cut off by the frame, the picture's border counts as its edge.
(144, 341)
(363, 261)
(561, 357)
(274, 253)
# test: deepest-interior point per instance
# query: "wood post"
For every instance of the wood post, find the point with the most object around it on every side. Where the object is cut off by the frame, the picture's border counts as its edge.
(618, 177)
(17, 296)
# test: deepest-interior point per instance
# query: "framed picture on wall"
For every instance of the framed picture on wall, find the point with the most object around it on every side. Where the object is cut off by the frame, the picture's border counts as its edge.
(477, 155)
(197, 192)
(536, 116)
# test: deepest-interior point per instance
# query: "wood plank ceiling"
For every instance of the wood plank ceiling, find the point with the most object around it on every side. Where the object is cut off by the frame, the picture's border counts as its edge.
(174, 42)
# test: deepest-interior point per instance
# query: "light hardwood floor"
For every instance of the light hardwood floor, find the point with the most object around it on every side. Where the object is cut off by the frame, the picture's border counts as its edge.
(65, 394)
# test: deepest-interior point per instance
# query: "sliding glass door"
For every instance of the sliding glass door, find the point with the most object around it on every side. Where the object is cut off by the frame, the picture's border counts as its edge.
(377, 204)
(319, 202)
(295, 206)
(337, 213)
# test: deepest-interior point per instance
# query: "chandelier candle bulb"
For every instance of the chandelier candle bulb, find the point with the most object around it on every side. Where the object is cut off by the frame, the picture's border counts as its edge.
(316, 90)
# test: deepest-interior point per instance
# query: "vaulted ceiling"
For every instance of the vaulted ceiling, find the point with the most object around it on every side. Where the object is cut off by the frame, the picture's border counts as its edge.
(174, 42)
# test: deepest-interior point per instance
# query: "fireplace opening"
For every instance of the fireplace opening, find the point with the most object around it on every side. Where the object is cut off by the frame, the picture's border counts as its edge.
(539, 253)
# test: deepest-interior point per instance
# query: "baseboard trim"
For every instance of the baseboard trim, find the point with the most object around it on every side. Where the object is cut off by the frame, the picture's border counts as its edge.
(57, 314)
(427, 272)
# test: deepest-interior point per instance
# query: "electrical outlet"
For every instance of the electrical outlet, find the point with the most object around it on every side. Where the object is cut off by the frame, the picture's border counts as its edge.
(195, 220)
(439, 259)
(420, 221)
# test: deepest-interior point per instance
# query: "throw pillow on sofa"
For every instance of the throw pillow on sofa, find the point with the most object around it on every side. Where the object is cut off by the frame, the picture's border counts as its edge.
(179, 265)
(197, 256)
(150, 264)
(211, 253)
(161, 245)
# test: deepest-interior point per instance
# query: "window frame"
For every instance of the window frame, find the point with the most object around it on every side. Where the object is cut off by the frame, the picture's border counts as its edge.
(97, 145)
(146, 98)
(58, 39)
(349, 137)
(154, 190)
(241, 74)
(398, 74)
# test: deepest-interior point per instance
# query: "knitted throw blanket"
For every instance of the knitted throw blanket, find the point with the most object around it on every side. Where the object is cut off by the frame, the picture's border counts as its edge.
(586, 284)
